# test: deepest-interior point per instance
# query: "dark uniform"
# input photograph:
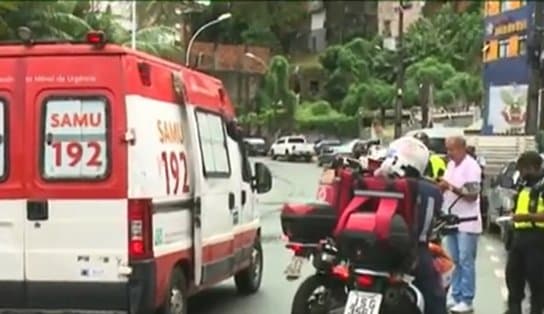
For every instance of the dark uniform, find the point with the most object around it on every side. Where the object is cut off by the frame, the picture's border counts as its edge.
(526, 255)
(427, 278)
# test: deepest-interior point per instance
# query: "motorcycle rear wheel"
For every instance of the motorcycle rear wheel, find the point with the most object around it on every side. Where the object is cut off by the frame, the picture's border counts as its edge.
(318, 294)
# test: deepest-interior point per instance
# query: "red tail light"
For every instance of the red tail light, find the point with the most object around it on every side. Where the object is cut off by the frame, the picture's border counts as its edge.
(295, 247)
(365, 280)
(96, 38)
(140, 240)
(341, 272)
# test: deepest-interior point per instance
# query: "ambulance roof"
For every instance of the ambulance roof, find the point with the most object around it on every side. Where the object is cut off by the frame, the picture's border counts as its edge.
(200, 88)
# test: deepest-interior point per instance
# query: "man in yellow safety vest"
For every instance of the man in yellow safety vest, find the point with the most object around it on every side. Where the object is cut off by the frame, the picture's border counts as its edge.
(526, 256)
(437, 165)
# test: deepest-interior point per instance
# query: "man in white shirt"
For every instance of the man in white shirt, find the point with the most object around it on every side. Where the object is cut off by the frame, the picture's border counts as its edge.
(462, 181)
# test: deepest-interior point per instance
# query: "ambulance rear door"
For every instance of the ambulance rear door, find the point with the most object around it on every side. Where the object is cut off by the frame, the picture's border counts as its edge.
(12, 195)
(76, 230)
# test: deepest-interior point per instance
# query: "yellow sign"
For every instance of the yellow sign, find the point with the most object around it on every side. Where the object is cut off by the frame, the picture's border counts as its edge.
(511, 27)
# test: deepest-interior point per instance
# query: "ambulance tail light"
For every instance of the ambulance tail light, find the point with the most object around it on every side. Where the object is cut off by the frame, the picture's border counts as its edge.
(140, 228)
(96, 38)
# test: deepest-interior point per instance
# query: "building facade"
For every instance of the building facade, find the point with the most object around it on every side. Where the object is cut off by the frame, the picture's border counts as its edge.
(506, 69)
(346, 20)
(388, 17)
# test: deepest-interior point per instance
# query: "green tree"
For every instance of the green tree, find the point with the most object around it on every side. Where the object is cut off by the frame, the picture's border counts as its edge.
(430, 71)
(270, 23)
(369, 96)
(320, 115)
(444, 97)
(346, 65)
(275, 99)
(467, 87)
(449, 37)
(71, 20)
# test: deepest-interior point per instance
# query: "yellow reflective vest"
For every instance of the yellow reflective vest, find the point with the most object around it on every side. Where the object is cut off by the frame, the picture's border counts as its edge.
(524, 204)
(437, 163)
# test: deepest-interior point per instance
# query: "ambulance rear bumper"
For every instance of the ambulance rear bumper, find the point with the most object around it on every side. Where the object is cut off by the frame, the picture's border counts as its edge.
(136, 296)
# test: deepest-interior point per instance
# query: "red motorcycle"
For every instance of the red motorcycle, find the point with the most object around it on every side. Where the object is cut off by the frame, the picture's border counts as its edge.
(362, 259)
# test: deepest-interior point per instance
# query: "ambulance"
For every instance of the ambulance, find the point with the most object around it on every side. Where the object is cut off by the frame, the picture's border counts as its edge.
(124, 183)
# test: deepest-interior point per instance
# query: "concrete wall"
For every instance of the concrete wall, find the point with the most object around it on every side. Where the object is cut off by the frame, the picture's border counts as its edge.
(388, 16)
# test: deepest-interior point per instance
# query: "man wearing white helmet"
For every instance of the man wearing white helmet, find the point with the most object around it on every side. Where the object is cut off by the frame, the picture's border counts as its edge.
(408, 157)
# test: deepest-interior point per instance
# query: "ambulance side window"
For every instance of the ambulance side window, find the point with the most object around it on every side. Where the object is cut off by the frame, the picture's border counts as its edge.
(246, 165)
(213, 144)
(75, 141)
(3, 155)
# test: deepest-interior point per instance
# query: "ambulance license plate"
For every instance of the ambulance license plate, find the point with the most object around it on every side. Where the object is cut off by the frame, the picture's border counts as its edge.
(363, 303)
(294, 268)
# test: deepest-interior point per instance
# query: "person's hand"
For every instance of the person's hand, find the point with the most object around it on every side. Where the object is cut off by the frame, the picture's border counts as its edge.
(444, 185)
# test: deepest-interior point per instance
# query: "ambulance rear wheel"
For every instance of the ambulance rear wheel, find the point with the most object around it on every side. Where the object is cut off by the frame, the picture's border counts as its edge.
(176, 297)
(249, 280)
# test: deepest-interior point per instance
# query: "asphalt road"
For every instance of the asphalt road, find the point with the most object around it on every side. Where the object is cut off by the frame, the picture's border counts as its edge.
(298, 181)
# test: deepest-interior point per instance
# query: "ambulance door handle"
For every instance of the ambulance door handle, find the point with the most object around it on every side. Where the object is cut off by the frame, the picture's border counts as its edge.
(37, 210)
(232, 201)
(49, 138)
(243, 197)
(197, 212)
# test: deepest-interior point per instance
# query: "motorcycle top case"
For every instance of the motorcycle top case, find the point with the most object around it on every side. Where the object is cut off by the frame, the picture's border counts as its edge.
(335, 188)
(374, 231)
(308, 223)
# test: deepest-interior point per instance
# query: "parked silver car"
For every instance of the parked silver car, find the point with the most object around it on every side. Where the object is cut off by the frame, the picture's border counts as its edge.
(501, 200)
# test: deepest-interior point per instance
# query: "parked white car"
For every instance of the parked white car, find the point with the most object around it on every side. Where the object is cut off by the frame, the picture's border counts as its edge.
(292, 147)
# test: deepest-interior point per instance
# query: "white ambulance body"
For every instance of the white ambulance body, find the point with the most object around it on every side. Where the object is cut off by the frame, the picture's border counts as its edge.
(124, 185)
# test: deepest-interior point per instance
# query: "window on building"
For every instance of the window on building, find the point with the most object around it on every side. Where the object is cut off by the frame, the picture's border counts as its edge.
(314, 87)
(386, 32)
(491, 50)
(503, 48)
(522, 45)
(505, 5)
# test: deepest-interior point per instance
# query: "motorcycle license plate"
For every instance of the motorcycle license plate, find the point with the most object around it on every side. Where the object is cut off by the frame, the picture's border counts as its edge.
(363, 303)
(294, 268)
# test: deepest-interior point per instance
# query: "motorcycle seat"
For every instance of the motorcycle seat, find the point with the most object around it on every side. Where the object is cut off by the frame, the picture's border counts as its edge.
(318, 208)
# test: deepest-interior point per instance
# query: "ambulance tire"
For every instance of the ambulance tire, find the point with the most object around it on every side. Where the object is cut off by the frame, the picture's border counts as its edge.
(249, 280)
(176, 296)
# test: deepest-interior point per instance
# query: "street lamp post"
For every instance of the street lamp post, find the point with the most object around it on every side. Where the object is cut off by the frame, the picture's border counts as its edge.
(219, 19)
(400, 72)
(265, 66)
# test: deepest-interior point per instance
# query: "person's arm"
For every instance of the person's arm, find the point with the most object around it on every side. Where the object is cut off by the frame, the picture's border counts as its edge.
(538, 217)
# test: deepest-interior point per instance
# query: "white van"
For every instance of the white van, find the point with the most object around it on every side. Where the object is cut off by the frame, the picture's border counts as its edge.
(124, 186)
(437, 137)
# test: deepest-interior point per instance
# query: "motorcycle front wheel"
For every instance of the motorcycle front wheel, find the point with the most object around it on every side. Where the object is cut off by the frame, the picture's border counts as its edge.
(319, 294)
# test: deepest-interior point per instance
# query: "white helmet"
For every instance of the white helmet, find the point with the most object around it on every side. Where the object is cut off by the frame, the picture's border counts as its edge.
(405, 154)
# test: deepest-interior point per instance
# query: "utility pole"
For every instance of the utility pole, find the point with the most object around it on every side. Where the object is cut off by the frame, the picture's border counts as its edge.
(539, 71)
(400, 72)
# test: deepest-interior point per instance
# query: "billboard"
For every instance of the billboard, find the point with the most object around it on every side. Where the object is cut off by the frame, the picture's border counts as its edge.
(507, 108)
